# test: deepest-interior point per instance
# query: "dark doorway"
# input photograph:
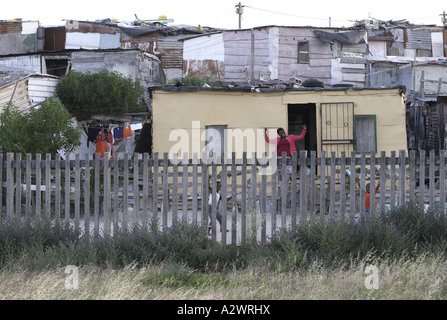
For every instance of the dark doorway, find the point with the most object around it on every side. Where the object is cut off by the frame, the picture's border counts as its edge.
(299, 115)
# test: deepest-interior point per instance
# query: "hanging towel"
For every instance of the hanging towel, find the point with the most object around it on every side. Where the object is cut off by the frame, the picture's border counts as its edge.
(118, 132)
(127, 132)
(136, 126)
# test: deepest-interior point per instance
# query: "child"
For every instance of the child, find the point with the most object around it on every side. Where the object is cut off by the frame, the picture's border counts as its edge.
(367, 198)
(210, 207)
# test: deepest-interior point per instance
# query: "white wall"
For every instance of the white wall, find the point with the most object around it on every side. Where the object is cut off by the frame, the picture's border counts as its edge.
(210, 47)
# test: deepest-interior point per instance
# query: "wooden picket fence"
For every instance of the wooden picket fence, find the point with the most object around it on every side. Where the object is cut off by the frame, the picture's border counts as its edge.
(102, 195)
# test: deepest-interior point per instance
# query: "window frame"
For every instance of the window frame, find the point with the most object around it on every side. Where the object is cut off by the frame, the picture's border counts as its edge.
(370, 116)
(300, 51)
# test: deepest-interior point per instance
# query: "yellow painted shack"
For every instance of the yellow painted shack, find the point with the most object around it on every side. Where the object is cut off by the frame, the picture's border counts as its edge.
(195, 119)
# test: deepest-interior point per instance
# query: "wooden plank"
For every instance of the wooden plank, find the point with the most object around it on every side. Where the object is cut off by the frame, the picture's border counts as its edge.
(233, 199)
(362, 183)
(402, 178)
(253, 195)
(214, 207)
(342, 184)
(332, 187)
(185, 187)
(372, 198)
(77, 199)
(47, 185)
(165, 191)
(442, 205)
(262, 203)
(313, 166)
(223, 205)
(18, 185)
(175, 188)
(195, 179)
(382, 181)
(393, 180)
(1, 187)
(9, 187)
(87, 195)
(284, 187)
(421, 177)
(125, 191)
(204, 191)
(57, 182)
(432, 180)
(323, 184)
(303, 186)
(155, 189)
(96, 195)
(274, 197)
(293, 192)
(28, 187)
(352, 183)
(136, 193)
(145, 190)
(66, 186)
(106, 192)
(115, 200)
(412, 175)
(244, 199)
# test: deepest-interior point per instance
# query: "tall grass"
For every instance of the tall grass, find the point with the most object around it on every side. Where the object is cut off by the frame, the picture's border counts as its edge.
(316, 252)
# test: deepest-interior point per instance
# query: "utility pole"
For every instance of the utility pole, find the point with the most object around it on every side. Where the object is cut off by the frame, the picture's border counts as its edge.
(443, 19)
(240, 11)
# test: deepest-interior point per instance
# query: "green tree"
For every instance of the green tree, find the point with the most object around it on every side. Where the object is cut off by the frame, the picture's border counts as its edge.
(105, 92)
(46, 129)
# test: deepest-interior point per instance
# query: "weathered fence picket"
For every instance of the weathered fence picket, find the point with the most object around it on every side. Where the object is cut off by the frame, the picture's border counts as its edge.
(103, 195)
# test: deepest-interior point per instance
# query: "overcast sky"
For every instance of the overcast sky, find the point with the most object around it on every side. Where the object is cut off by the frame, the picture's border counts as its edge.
(222, 13)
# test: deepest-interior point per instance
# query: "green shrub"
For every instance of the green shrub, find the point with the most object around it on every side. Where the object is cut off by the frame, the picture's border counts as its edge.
(105, 92)
(403, 232)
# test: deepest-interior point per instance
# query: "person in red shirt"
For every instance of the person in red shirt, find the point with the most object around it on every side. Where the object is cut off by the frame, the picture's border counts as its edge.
(285, 143)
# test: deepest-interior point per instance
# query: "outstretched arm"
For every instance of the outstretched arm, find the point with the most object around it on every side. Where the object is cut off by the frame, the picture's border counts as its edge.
(267, 137)
(301, 136)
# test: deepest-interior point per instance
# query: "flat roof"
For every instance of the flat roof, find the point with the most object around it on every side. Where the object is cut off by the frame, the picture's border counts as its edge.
(181, 88)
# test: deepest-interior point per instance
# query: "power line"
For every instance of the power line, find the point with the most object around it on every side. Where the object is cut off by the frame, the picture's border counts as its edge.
(288, 14)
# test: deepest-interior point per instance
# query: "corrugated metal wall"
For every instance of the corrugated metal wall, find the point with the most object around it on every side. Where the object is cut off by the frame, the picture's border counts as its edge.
(18, 91)
(41, 88)
(171, 54)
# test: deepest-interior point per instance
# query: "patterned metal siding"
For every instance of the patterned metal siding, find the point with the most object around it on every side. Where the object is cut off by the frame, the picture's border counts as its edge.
(171, 54)
(418, 39)
(10, 27)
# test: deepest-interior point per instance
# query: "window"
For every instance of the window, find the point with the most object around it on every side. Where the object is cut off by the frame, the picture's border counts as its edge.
(365, 133)
(303, 52)
(215, 140)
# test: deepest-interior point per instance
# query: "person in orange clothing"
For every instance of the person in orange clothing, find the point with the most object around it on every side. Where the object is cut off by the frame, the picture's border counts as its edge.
(104, 143)
(367, 198)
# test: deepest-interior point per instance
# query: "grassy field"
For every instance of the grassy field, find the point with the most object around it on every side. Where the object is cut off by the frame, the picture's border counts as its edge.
(400, 280)
(401, 256)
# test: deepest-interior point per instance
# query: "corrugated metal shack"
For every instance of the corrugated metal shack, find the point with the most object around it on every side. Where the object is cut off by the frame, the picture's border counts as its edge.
(25, 89)
(281, 53)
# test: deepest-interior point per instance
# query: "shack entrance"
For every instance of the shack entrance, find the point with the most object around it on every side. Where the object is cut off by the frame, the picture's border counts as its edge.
(299, 115)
